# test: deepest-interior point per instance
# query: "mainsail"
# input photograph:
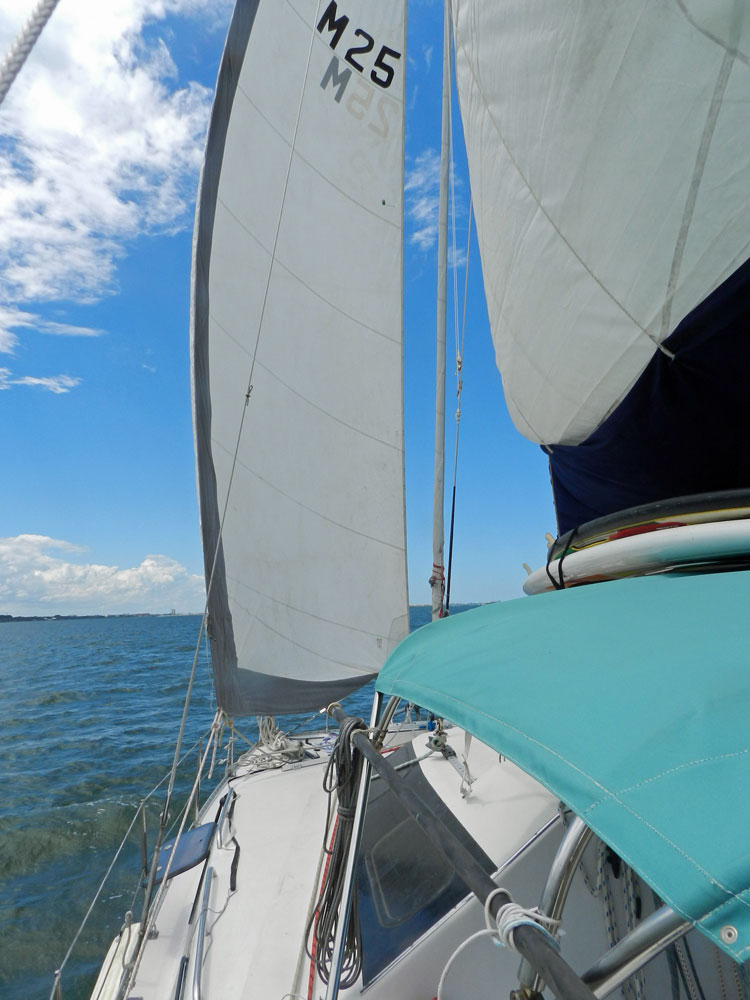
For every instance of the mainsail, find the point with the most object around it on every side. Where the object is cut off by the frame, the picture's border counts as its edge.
(297, 352)
(609, 154)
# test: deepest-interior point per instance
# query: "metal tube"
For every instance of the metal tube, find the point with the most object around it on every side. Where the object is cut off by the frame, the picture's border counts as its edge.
(201, 936)
(56, 993)
(557, 887)
(144, 840)
(196, 811)
(437, 577)
(390, 711)
(645, 942)
(181, 978)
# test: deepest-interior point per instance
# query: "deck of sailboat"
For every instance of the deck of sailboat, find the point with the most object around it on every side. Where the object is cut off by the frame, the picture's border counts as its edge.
(246, 930)
(211, 939)
(253, 941)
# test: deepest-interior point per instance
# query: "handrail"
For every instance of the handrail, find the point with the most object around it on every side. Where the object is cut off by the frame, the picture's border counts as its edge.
(201, 936)
(569, 853)
(632, 952)
(229, 799)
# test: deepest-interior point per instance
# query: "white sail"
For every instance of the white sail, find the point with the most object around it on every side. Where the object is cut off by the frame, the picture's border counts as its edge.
(297, 294)
(609, 153)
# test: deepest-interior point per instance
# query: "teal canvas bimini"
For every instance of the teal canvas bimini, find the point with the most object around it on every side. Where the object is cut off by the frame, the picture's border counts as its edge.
(629, 700)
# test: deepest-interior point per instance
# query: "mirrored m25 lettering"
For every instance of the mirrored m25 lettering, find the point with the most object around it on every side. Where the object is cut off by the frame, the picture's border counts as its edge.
(360, 44)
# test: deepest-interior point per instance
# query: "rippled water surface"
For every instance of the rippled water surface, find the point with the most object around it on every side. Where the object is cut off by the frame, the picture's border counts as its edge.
(89, 714)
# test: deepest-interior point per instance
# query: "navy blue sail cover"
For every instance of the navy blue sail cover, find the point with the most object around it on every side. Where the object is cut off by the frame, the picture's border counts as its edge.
(682, 429)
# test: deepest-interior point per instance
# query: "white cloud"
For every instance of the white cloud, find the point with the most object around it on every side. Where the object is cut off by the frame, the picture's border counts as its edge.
(13, 319)
(422, 189)
(53, 383)
(422, 193)
(45, 576)
(100, 145)
(8, 339)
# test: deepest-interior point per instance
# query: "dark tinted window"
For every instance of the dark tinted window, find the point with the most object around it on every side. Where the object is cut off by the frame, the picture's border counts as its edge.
(405, 883)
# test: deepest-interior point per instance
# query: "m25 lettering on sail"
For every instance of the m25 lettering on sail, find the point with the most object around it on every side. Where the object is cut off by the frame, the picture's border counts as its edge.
(360, 44)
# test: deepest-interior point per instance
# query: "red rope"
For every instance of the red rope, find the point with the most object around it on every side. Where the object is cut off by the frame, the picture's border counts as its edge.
(311, 979)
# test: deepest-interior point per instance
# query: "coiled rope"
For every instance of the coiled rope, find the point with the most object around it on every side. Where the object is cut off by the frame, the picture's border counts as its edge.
(342, 777)
(509, 917)
(24, 43)
(273, 749)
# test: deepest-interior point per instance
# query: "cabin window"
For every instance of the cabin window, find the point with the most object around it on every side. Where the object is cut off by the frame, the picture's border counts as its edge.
(405, 884)
(405, 880)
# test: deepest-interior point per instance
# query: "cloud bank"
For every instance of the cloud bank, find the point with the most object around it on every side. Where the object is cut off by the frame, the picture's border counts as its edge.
(47, 576)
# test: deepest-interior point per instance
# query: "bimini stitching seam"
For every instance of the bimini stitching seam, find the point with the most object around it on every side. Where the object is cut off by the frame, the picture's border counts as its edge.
(608, 794)
(680, 767)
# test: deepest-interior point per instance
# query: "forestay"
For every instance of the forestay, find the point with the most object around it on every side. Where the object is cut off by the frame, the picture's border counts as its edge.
(629, 700)
(297, 306)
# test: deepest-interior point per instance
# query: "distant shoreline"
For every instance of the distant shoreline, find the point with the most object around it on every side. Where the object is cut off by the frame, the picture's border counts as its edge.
(157, 614)
(66, 618)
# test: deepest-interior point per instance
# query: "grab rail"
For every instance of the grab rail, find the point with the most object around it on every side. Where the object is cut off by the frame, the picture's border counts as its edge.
(230, 797)
(631, 953)
(201, 936)
(566, 861)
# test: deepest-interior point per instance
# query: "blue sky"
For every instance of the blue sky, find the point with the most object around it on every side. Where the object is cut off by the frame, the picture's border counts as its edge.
(102, 136)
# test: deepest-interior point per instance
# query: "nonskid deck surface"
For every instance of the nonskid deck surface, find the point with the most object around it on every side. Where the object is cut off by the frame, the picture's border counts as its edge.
(254, 935)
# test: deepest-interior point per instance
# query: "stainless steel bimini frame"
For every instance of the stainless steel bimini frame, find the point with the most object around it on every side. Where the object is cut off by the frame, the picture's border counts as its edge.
(646, 941)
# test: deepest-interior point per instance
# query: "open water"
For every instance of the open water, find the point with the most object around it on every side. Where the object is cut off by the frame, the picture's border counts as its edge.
(89, 714)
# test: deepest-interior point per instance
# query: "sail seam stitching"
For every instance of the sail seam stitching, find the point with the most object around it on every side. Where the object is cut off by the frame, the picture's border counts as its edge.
(735, 53)
(311, 510)
(695, 182)
(314, 652)
(547, 216)
(300, 611)
(296, 153)
(293, 274)
(320, 409)
(299, 395)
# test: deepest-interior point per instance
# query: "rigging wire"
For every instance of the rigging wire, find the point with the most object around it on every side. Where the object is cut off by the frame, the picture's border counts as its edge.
(459, 339)
(437, 578)
(150, 912)
(97, 894)
(24, 43)
(459, 389)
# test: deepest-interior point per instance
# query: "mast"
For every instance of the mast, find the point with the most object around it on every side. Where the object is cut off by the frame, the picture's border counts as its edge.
(437, 580)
